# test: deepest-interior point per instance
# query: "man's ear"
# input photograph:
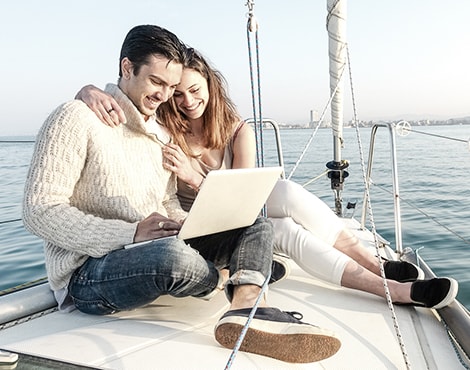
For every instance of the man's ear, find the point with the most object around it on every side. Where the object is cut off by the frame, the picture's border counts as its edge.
(126, 67)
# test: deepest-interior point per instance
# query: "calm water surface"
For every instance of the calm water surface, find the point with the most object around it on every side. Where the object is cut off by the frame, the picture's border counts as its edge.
(434, 188)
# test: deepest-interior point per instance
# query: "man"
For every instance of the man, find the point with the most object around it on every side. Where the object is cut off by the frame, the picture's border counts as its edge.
(92, 189)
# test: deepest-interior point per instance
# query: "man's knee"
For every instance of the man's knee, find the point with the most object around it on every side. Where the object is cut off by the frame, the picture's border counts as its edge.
(265, 226)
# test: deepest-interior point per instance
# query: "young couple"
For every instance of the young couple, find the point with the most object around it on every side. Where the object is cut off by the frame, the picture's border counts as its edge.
(91, 189)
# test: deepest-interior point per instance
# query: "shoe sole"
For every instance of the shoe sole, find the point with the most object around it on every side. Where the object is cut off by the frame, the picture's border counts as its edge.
(304, 343)
(451, 294)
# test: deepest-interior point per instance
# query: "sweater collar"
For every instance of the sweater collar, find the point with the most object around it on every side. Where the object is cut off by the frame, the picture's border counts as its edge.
(135, 119)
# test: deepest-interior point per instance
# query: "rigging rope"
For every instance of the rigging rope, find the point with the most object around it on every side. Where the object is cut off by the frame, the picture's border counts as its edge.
(436, 135)
(8, 221)
(252, 27)
(17, 141)
(372, 222)
(239, 342)
(427, 215)
(404, 128)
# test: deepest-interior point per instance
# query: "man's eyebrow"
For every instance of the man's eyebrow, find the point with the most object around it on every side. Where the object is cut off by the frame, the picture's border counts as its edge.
(158, 77)
(163, 80)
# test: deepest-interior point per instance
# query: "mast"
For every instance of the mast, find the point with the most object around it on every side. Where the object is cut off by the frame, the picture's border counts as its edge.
(336, 26)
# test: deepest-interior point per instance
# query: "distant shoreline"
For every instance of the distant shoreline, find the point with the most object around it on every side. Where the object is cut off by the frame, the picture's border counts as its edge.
(362, 124)
(285, 126)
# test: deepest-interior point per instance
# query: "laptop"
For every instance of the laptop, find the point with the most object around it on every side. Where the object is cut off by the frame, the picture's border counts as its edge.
(227, 199)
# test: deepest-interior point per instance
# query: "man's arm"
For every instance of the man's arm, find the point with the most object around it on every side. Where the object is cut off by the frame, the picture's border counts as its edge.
(59, 157)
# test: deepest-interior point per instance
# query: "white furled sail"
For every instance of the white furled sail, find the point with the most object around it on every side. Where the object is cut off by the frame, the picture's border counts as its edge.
(336, 26)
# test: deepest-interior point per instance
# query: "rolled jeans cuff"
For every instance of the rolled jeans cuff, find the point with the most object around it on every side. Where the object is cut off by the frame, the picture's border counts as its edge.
(217, 289)
(243, 277)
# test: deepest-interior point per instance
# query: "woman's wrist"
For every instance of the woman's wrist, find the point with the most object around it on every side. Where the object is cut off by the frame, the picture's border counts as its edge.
(197, 183)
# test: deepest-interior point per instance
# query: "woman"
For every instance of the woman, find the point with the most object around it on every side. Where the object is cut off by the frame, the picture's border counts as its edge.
(208, 134)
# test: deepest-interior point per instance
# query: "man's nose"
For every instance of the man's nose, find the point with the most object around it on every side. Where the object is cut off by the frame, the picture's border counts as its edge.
(164, 94)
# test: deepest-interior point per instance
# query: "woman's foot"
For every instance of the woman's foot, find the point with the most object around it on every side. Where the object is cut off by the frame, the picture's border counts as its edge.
(402, 271)
(433, 293)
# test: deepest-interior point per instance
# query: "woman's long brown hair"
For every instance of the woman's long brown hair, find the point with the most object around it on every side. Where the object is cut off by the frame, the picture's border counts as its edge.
(218, 118)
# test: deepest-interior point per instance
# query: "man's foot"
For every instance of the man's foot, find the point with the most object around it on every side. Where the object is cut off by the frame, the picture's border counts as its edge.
(277, 334)
(280, 268)
(402, 271)
(434, 293)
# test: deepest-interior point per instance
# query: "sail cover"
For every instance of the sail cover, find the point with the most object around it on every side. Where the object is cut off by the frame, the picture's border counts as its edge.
(336, 26)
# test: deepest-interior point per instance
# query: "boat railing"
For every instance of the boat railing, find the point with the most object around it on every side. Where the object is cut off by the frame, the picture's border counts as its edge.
(277, 134)
(395, 188)
(455, 316)
(25, 301)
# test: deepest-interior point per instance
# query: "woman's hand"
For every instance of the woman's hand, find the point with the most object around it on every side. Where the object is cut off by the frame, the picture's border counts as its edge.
(156, 226)
(179, 163)
(103, 104)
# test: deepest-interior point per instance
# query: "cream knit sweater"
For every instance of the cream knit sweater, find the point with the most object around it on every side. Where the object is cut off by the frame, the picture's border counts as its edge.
(89, 185)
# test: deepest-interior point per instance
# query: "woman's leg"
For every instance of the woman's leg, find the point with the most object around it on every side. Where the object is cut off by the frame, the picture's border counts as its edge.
(350, 245)
(329, 264)
(312, 254)
(314, 229)
(289, 199)
(357, 277)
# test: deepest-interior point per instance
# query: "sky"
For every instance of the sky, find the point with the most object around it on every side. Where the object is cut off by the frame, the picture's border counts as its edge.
(409, 59)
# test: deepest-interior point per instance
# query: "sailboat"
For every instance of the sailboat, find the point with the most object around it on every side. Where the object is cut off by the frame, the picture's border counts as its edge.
(175, 333)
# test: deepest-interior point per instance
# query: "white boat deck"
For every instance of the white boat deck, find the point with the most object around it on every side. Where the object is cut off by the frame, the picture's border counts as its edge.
(178, 333)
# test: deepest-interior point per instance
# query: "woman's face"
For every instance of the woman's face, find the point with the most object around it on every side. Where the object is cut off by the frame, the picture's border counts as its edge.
(192, 94)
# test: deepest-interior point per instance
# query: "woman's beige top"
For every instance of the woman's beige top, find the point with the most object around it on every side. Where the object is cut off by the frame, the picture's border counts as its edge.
(187, 194)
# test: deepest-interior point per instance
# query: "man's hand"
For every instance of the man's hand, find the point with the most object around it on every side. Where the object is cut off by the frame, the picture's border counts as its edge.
(156, 226)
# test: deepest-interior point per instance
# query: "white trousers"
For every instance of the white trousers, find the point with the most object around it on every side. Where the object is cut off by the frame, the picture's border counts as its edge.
(305, 229)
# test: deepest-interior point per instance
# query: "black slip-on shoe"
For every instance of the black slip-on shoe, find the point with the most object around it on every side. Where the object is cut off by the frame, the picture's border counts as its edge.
(402, 271)
(277, 334)
(280, 268)
(434, 293)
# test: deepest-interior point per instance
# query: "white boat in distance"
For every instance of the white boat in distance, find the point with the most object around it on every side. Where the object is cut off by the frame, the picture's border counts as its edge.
(175, 333)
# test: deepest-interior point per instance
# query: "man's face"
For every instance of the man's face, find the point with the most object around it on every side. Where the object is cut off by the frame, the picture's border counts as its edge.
(154, 84)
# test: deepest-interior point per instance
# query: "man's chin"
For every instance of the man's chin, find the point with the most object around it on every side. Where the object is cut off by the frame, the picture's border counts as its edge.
(148, 112)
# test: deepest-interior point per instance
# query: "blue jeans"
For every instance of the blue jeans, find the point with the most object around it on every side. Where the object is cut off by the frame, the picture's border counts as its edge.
(246, 252)
(129, 278)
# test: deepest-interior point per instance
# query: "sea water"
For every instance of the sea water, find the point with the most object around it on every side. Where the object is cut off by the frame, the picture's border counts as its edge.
(434, 193)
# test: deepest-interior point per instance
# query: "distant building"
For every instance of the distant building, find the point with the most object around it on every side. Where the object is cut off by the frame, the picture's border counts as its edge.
(313, 119)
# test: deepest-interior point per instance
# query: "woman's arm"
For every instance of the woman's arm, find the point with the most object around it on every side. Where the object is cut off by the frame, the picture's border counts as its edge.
(244, 148)
(179, 163)
(103, 104)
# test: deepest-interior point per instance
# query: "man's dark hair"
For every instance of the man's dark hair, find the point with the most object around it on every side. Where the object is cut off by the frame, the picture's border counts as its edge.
(146, 40)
